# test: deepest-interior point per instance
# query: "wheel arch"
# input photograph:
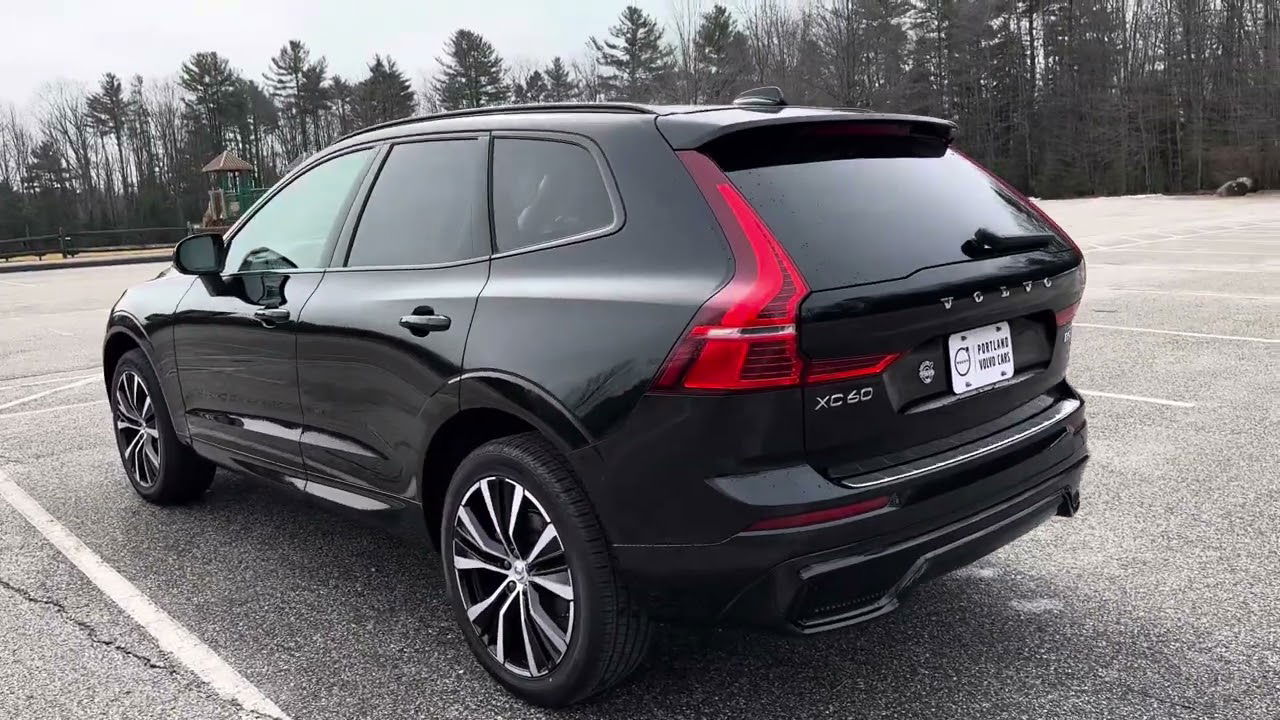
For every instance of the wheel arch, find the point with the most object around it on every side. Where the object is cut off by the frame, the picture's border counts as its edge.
(495, 405)
(125, 333)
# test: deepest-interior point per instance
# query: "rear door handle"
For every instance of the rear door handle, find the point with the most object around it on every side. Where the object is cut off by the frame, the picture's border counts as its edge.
(420, 325)
(270, 316)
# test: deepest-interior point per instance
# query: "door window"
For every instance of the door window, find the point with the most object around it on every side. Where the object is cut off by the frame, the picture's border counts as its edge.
(293, 228)
(426, 207)
(544, 191)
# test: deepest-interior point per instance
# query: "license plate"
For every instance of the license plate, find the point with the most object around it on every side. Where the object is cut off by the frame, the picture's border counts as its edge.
(980, 357)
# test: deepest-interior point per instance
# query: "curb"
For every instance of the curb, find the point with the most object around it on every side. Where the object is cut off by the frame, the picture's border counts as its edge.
(91, 262)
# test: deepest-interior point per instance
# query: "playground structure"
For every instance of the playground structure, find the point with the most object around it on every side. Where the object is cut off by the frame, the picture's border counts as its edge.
(232, 190)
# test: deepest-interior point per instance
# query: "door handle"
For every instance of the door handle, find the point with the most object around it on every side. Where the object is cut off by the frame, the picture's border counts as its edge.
(420, 325)
(271, 316)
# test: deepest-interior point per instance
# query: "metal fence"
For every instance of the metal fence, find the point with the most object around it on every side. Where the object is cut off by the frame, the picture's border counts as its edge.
(70, 244)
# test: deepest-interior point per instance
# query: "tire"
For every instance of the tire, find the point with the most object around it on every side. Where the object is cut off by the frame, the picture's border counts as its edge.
(160, 468)
(604, 635)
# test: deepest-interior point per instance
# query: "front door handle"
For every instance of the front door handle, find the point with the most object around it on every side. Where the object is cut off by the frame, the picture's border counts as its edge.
(271, 316)
(420, 325)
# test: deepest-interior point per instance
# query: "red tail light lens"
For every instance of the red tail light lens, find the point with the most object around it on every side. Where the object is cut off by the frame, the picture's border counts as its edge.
(744, 337)
(1065, 316)
(821, 516)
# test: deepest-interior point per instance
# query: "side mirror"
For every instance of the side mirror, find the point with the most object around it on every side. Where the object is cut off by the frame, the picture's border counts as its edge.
(199, 255)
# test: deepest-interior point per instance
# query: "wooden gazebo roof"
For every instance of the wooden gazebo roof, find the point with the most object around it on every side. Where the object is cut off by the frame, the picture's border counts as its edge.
(227, 162)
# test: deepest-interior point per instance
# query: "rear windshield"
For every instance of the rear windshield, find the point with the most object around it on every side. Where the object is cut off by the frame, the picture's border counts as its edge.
(853, 209)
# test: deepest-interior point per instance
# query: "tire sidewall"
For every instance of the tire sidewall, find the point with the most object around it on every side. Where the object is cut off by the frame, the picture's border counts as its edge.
(582, 660)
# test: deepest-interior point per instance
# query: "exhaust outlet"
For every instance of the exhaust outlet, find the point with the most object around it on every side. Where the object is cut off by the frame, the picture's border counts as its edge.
(1070, 504)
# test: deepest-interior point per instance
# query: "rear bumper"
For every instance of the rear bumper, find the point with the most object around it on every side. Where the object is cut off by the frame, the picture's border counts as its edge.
(827, 576)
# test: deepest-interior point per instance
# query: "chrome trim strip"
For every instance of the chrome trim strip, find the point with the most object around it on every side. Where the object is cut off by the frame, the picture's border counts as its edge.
(1062, 410)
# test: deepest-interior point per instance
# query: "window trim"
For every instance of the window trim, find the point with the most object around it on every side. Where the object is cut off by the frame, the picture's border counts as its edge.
(331, 243)
(602, 166)
(342, 251)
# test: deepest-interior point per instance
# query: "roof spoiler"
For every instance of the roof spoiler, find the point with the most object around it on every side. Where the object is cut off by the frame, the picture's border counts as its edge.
(688, 131)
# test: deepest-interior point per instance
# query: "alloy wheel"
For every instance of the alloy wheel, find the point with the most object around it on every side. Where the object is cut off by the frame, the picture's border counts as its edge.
(136, 427)
(513, 576)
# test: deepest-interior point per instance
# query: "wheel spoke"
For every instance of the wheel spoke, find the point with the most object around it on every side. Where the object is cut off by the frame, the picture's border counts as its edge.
(475, 610)
(548, 534)
(502, 628)
(472, 531)
(557, 583)
(124, 423)
(461, 562)
(547, 626)
(493, 514)
(524, 632)
(516, 499)
(122, 404)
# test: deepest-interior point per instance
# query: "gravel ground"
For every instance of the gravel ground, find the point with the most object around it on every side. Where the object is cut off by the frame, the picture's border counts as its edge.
(1159, 600)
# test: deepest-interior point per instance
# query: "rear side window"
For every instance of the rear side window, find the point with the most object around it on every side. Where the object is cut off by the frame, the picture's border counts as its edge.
(545, 190)
(427, 206)
(856, 208)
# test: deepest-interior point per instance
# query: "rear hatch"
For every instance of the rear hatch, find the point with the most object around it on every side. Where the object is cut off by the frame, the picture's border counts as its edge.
(917, 255)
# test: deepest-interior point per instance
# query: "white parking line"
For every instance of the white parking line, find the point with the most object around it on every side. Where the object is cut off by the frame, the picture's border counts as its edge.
(1191, 268)
(15, 284)
(1188, 293)
(1181, 252)
(37, 396)
(1208, 336)
(1138, 398)
(172, 637)
(43, 382)
(51, 409)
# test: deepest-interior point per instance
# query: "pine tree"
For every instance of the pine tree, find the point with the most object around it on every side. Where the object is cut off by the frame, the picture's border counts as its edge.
(471, 74)
(298, 84)
(721, 50)
(108, 112)
(385, 95)
(342, 96)
(208, 77)
(535, 87)
(560, 84)
(636, 58)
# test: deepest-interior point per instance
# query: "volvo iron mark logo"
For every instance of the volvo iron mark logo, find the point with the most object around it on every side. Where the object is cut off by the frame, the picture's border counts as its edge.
(961, 362)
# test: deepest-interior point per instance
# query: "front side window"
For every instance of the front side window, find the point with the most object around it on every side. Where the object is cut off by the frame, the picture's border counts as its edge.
(292, 229)
(426, 207)
(544, 190)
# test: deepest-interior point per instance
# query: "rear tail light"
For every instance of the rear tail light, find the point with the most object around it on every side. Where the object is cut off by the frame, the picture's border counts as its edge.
(818, 517)
(744, 337)
(1065, 316)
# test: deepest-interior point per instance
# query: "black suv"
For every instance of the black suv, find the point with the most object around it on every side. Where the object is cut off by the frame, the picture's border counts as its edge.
(751, 363)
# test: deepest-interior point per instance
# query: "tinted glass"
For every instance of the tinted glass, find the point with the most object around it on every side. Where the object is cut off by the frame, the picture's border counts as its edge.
(544, 191)
(291, 230)
(866, 214)
(427, 206)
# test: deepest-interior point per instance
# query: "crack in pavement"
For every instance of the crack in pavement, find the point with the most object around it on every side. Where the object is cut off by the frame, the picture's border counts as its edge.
(90, 631)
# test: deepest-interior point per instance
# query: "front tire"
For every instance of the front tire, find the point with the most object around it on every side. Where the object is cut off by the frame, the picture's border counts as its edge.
(530, 577)
(160, 468)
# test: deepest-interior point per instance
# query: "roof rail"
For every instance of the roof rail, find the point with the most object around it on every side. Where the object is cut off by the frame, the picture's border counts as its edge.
(504, 109)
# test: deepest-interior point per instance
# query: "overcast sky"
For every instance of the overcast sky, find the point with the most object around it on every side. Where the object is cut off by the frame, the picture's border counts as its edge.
(79, 40)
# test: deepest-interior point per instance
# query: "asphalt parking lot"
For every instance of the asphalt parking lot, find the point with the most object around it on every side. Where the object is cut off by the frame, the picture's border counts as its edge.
(1160, 600)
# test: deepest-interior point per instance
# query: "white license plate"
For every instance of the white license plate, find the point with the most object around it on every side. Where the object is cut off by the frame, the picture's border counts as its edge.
(980, 357)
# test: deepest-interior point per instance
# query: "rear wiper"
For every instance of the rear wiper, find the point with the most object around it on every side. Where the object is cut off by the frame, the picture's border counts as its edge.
(985, 242)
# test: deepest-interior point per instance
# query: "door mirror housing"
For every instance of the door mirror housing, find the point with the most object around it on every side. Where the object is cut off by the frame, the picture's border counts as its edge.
(200, 254)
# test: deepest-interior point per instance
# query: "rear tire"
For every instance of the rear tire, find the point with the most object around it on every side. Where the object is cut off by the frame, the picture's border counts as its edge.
(540, 578)
(160, 468)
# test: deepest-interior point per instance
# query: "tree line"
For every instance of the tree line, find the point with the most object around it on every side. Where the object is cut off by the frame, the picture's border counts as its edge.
(1062, 98)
